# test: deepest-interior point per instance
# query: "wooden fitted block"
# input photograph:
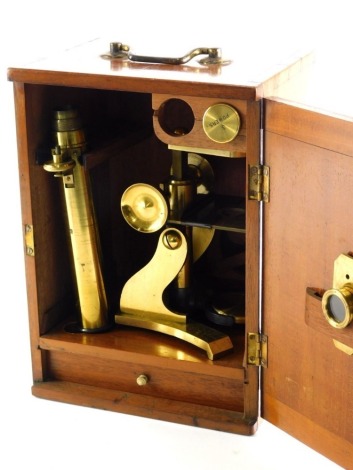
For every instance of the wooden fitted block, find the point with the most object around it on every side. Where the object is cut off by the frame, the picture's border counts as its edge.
(195, 109)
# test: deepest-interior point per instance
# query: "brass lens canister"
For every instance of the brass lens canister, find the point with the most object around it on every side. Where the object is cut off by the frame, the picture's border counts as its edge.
(337, 303)
(337, 306)
(221, 123)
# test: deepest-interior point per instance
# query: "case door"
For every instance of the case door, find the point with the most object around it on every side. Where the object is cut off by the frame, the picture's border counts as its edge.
(307, 387)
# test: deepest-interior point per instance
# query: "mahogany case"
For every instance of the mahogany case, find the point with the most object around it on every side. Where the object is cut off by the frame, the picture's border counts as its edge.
(284, 365)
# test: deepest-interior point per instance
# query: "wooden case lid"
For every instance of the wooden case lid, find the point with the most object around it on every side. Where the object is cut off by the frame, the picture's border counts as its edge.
(248, 76)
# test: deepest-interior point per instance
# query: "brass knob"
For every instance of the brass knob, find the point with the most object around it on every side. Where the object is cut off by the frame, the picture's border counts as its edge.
(142, 380)
(172, 239)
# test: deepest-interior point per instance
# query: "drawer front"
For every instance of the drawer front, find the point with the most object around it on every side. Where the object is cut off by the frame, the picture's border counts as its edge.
(191, 387)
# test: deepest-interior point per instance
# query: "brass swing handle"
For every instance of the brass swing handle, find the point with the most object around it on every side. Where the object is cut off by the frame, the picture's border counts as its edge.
(122, 51)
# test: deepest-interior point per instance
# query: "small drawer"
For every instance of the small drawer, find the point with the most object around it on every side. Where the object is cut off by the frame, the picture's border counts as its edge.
(183, 384)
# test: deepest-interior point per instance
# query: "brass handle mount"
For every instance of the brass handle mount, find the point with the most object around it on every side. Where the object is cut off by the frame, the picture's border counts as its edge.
(213, 55)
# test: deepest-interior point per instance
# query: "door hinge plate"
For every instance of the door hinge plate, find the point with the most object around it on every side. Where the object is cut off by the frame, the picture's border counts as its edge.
(29, 240)
(259, 183)
(257, 349)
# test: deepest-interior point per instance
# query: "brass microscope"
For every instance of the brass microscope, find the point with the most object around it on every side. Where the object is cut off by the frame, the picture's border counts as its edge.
(166, 304)
(172, 303)
(162, 295)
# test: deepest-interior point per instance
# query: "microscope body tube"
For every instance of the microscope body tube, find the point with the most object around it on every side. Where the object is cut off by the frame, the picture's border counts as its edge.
(86, 251)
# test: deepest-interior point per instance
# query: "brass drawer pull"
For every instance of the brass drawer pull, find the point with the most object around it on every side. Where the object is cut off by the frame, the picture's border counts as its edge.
(142, 380)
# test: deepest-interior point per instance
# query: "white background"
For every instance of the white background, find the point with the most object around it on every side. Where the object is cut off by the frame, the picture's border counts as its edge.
(47, 435)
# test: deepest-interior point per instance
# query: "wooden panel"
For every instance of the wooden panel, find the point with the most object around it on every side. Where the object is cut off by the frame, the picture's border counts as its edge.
(130, 344)
(163, 381)
(309, 432)
(246, 77)
(309, 126)
(252, 282)
(150, 407)
(307, 225)
(27, 218)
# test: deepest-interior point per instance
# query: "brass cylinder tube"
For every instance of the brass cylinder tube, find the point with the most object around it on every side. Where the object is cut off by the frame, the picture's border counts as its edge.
(86, 252)
(181, 194)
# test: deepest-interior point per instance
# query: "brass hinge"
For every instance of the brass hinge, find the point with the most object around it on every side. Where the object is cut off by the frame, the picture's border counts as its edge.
(29, 240)
(259, 183)
(257, 349)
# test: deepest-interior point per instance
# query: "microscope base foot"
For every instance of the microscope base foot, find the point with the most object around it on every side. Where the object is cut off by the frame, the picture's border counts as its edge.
(215, 344)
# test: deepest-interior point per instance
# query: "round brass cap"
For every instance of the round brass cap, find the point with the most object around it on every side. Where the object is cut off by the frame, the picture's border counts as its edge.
(221, 123)
(337, 306)
(144, 208)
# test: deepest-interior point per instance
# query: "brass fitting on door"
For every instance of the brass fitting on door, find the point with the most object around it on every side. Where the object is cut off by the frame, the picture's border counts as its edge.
(337, 303)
